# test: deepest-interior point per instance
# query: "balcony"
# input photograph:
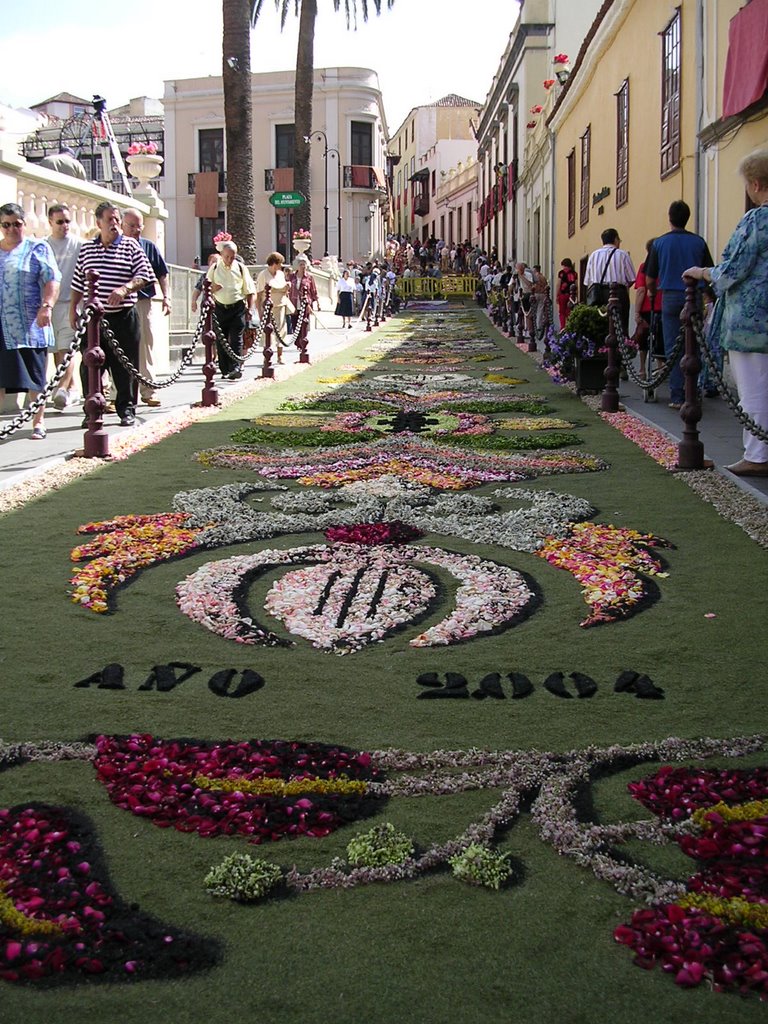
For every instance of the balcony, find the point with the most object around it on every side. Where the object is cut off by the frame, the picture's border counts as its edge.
(421, 204)
(365, 177)
(278, 179)
(191, 182)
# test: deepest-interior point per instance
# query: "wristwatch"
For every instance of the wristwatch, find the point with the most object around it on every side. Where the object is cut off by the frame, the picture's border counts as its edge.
(46, 305)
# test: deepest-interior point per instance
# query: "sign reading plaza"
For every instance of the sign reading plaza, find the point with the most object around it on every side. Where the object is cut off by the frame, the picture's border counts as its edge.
(286, 200)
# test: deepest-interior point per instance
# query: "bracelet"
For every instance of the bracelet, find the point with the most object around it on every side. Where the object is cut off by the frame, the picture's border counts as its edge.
(46, 305)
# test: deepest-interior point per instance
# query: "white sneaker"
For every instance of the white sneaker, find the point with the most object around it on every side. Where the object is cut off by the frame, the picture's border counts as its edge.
(61, 399)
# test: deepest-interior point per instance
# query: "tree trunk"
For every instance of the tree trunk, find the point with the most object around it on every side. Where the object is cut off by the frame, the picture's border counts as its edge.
(238, 121)
(305, 68)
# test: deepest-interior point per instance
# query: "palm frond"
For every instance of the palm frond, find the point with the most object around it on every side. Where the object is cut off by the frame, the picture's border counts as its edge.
(350, 9)
(283, 6)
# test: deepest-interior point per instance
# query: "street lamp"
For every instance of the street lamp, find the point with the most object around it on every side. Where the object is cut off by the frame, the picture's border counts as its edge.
(308, 138)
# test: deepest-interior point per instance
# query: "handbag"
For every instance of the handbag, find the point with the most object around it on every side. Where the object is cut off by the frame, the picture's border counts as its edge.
(599, 293)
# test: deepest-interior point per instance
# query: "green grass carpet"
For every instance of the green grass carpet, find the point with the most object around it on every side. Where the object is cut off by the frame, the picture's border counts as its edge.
(426, 951)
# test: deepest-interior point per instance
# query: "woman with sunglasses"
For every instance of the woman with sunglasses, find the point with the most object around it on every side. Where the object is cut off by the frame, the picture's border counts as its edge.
(29, 285)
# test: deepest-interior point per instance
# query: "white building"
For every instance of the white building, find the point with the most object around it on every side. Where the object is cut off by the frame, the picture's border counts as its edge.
(347, 108)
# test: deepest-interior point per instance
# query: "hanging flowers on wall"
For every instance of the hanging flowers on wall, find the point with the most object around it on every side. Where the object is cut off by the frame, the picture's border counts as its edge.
(531, 124)
(536, 108)
(548, 83)
(561, 58)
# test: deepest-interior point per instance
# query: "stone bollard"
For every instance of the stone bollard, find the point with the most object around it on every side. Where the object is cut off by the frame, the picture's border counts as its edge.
(690, 451)
(610, 399)
(301, 339)
(267, 369)
(210, 395)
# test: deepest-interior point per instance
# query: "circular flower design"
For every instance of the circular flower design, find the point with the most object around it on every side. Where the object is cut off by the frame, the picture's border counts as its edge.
(355, 595)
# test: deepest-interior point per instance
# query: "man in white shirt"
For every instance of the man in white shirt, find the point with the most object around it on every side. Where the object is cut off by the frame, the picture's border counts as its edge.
(65, 248)
(609, 265)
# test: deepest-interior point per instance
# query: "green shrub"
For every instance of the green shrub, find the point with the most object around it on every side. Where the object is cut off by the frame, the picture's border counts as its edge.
(479, 865)
(588, 322)
(382, 845)
(242, 877)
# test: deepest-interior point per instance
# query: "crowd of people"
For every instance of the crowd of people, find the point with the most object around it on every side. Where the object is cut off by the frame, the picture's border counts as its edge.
(43, 283)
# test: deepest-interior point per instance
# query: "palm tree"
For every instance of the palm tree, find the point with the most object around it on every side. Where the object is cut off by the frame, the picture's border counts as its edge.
(238, 121)
(305, 66)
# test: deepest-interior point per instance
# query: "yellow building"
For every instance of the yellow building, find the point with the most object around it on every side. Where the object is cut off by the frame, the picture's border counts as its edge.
(638, 125)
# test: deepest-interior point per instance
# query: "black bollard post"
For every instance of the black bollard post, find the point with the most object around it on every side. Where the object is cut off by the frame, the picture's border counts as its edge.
(210, 395)
(301, 339)
(690, 451)
(96, 439)
(610, 399)
(267, 369)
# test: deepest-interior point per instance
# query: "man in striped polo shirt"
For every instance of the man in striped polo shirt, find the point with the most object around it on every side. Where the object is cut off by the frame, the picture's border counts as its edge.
(123, 271)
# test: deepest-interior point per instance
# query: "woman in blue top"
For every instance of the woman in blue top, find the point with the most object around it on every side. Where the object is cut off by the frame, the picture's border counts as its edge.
(740, 320)
(29, 285)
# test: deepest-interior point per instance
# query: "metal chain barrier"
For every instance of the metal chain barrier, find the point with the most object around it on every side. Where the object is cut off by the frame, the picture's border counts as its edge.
(221, 339)
(652, 382)
(26, 414)
(266, 322)
(153, 385)
(731, 399)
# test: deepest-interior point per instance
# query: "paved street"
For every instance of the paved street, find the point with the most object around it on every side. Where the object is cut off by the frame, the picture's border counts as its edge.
(19, 456)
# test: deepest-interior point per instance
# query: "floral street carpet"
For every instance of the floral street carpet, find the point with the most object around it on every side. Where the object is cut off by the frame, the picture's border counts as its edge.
(414, 693)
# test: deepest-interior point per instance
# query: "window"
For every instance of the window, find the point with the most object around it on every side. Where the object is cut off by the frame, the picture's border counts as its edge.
(413, 130)
(586, 140)
(211, 149)
(284, 139)
(433, 183)
(670, 96)
(622, 144)
(362, 143)
(209, 226)
(571, 162)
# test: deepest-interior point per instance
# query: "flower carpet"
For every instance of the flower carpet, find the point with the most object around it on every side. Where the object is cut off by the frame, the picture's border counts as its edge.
(419, 691)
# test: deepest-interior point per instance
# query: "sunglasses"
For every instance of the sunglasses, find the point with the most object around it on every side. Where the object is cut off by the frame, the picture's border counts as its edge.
(62, 222)
(12, 224)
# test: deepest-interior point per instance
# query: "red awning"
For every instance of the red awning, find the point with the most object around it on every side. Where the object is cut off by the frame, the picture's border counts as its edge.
(746, 69)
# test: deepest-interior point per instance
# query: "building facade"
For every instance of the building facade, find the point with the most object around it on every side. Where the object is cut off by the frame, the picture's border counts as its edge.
(641, 122)
(349, 192)
(432, 140)
(515, 150)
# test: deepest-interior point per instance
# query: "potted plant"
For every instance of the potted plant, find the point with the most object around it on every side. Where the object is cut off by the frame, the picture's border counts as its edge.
(578, 352)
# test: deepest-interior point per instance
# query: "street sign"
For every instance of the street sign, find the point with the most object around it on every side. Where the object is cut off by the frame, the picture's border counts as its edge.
(286, 200)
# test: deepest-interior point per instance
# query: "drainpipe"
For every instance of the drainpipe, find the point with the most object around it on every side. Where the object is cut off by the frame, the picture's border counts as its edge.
(699, 204)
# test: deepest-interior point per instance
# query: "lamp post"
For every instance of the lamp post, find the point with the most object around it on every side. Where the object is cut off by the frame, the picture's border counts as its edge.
(337, 154)
(308, 138)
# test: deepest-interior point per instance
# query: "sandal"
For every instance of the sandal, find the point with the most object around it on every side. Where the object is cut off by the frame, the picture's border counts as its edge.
(39, 434)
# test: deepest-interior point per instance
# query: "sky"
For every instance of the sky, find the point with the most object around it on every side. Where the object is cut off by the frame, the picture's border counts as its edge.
(421, 49)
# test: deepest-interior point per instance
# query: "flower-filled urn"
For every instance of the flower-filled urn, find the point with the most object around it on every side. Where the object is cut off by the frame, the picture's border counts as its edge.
(302, 240)
(144, 164)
